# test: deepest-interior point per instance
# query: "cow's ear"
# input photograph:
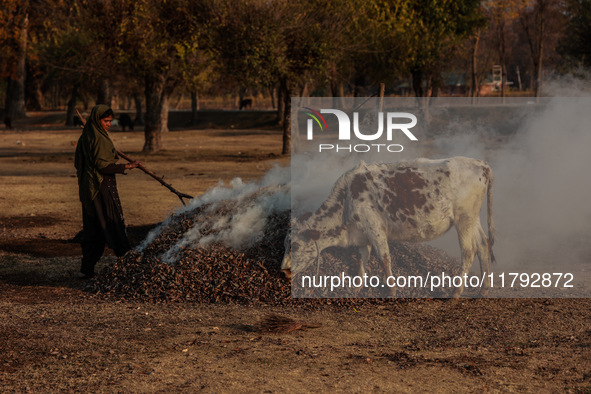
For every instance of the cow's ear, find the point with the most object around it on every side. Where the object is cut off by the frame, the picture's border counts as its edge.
(310, 235)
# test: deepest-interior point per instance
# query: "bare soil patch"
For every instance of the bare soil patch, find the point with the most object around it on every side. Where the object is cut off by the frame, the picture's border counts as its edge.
(57, 335)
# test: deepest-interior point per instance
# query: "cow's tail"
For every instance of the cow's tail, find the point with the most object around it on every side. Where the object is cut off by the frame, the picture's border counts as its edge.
(489, 209)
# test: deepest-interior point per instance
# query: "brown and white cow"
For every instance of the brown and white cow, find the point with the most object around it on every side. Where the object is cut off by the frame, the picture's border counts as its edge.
(411, 201)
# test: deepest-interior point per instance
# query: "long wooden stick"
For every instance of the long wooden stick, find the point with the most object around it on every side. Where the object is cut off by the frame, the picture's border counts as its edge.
(167, 185)
(144, 169)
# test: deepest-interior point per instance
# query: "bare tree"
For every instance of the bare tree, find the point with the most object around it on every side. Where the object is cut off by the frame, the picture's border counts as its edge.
(541, 21)
(502, 14)
(14, 46)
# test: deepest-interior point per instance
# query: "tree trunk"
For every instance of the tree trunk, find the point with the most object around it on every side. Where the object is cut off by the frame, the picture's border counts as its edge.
(157, 94)
(241, 95)
(104, 93)
(55, 97)
(538, 75)
(179, 101)
(272, 93)
(280, 106)
(304, 95)
(382, 93)
(535, 39)
(15, 90)
(164, 107)
(139, 114)
(33, 91)
(15, 99)
(194, 108)
(417, 82)
(85, 101)
(71, 111)
(420, 93)
(435, 84)
(475, 86)
(336, 89)
(502, 53)
(504, 73)
(286, 98)
(538, 55)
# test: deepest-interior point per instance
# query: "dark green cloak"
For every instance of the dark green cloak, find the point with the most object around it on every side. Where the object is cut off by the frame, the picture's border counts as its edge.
(94, 151)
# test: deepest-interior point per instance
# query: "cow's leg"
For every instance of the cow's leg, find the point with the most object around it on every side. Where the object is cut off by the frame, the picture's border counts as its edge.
(484, 257)
(377, 236)
(386, 261)
(365, 252)
(466, 235)
(383, 250)
(378, 241)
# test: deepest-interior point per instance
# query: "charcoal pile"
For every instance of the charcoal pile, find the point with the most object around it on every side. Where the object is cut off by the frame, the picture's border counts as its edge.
(208, 274)
(169, 268)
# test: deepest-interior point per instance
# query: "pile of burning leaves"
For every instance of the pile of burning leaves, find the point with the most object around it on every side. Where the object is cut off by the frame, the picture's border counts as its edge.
(216, 273)
(208, 274)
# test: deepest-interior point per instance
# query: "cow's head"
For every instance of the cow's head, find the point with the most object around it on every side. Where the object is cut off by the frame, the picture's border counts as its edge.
(301, 244)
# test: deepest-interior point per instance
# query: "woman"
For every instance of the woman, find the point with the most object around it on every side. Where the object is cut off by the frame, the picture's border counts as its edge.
(102, 215)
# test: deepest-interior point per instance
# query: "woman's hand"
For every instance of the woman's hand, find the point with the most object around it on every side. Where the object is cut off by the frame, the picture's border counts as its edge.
(133, 164)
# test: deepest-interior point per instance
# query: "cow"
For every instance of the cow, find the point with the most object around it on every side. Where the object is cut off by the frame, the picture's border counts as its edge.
(125, 121)
(412, 201)
(245, 103)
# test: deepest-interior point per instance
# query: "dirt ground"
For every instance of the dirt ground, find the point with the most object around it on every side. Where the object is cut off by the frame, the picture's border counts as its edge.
(56, 336)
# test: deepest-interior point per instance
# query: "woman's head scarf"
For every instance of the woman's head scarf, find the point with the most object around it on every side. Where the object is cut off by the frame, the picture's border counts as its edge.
(94, 151)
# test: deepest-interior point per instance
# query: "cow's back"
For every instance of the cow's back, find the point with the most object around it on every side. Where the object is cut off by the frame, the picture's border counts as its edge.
(414, 200)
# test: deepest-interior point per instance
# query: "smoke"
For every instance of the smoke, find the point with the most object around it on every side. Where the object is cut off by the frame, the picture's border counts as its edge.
(576, 84)
(315, 177)
(542, 184)
(538, 153)
(234, 215)
(541, 165)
